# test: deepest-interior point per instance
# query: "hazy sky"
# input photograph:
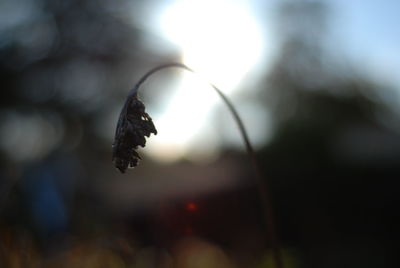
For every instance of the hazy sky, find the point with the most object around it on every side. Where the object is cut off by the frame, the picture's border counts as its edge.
(370, 33)
(228, 41)
(363, 34)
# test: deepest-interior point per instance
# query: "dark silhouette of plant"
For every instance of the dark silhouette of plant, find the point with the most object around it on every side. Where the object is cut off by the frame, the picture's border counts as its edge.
(134, 124)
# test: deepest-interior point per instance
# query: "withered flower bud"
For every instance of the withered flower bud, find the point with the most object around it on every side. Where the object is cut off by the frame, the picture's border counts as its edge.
(133, 125)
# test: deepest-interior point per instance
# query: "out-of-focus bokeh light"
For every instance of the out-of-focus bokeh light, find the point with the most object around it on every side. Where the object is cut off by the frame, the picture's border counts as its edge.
(21, 135)
(191, 206)
(193, 252)
(223, 42)
(220, 39)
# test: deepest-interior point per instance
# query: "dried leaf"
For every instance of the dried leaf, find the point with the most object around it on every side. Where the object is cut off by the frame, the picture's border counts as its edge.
(134, 124)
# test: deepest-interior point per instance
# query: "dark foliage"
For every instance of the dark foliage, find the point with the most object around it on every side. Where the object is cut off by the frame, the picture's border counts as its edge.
(133, 125)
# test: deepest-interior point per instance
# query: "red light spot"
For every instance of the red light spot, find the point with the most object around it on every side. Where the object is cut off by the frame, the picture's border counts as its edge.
(191, 206)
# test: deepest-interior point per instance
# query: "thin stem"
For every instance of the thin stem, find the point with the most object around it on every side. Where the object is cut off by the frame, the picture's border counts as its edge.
(263, 189)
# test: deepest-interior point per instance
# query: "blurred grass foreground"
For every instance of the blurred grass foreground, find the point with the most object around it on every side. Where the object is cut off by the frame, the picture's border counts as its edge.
(316, 83)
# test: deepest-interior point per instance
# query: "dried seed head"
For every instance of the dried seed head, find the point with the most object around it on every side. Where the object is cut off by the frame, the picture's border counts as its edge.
(133, 125)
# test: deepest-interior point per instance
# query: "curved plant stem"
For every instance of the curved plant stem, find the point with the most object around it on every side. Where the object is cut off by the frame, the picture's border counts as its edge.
(261, 182)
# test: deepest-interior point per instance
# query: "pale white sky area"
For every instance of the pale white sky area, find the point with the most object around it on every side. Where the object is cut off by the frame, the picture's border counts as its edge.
(227, 41)
(223, 49)
(370, 34)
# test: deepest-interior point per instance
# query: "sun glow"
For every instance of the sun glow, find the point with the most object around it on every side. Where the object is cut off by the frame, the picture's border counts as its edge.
(222, 42)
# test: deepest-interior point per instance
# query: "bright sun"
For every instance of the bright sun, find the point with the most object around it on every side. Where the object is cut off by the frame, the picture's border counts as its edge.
(222, 41)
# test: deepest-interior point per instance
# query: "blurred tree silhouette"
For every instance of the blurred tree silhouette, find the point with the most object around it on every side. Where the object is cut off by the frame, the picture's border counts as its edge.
(334, 159)
(65, 67)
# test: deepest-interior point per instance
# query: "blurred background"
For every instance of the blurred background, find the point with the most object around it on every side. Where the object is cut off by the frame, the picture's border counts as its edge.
(317, 84)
